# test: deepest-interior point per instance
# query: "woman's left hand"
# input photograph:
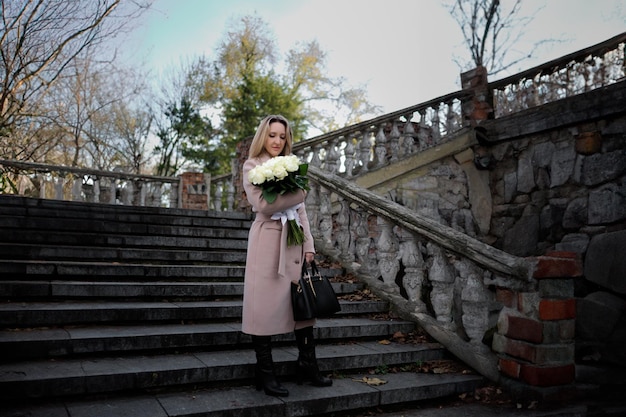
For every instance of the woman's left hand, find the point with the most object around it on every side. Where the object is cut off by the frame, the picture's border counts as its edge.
(309, 257)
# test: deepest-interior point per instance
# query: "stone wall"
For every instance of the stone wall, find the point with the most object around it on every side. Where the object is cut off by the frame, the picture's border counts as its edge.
(565, 190)
(560, 190)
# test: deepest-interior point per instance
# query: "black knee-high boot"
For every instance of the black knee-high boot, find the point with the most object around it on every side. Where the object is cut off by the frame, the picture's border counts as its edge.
(264, 371)
(307, 362)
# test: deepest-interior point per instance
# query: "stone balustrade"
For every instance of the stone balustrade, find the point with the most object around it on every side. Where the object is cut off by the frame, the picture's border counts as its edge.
(585, 70)
(222, 193)
(90, 185)
(354, 150)
(511, 318)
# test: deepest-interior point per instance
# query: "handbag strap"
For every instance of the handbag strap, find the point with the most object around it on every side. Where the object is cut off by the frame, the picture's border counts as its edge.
(314, 270)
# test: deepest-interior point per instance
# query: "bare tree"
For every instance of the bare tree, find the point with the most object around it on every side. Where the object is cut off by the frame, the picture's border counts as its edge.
(85, 111)
(39, 39)
(491, 29)
(132, 126)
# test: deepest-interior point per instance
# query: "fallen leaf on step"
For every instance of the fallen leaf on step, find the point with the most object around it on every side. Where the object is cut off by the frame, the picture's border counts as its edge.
(384, 342)
(371, 381)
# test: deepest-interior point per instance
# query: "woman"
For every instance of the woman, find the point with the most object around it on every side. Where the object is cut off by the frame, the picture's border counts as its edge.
(271, 265)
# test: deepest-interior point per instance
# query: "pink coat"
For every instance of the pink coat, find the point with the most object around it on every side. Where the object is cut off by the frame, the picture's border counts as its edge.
(267, 294)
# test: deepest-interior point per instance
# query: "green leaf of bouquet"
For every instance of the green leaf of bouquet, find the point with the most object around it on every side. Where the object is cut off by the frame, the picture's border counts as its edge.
(303, 169)
(269, 195)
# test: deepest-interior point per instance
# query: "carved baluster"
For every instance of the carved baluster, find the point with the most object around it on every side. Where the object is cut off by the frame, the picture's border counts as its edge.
(362, 241)
(316, 161)
(151, 188)
(96, 190)
(380, 147)
(408, 141)
(387, 254)
(230, 195)
(127, 193)
(137, 189)
(339, 156)
(450, 117)
(217, 198)
(350, 154)
(42, 185)
(175, 200)
(343, 235)
(77, 185)
(394, 142)
(313, 208)
(599, 76)
(148, 189)
(475, 302)
(413, 263)
(436, 125)
(441, 277)
(422, 134)
(113, 191)
(341, 149)
(325, 221)
(58, 186)
(301, 154)
(156, 192)
(365, 149)
(332, 161)
(143, 188)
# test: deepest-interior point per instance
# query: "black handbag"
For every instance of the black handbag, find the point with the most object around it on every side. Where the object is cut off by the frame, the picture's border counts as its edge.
(313, 295)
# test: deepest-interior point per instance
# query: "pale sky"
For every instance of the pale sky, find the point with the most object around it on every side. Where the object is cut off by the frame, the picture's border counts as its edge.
(401, 50)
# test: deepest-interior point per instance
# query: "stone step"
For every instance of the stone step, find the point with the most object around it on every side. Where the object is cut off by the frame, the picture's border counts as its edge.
(73, 340)
(94, 239)
(128, 307)
(97, 375)
(11, 205)
(38, 270)
(37, 314)
(345, 395)
(73, 225)
(57, 289)
(19, 269)
(26, 251)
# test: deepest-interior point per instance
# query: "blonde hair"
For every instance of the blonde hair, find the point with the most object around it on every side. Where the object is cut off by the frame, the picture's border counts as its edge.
(257, 147)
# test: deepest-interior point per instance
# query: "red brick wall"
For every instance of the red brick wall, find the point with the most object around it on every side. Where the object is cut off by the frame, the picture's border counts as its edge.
(194, 192)
(535, 338)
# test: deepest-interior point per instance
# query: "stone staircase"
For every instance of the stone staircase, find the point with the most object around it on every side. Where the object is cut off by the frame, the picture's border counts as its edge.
(131, 311)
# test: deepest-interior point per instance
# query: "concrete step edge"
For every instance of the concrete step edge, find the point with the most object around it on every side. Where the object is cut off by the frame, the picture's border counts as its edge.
(132, 289)
(44, 379)
(10, 269)
(71, 341)
(34, 314)
(29, 251)
(21, 204)
(92, 239)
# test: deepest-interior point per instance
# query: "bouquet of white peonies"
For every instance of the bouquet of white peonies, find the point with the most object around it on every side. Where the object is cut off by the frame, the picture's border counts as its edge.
(277, 176)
